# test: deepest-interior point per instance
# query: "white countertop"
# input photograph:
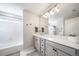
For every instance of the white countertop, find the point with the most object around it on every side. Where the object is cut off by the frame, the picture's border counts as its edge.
(59, 39)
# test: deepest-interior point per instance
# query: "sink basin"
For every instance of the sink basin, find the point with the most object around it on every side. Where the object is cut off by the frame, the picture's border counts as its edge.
(74, 39)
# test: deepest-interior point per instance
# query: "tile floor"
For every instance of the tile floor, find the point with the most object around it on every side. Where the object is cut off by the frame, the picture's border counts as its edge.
(35, 53)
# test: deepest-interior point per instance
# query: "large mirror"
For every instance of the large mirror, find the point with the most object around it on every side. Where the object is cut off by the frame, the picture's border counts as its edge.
(56, 21)
(65, 20)
(71, 17)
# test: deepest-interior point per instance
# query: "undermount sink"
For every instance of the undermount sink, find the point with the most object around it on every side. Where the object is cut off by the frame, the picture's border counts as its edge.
(74, 39)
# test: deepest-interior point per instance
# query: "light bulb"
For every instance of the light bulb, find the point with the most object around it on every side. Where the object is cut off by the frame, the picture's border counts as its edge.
(51, 12)
(46, 15)
(56, 9)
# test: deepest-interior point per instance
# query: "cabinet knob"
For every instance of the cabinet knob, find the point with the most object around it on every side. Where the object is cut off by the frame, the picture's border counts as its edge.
(42, 51)
(55, 50)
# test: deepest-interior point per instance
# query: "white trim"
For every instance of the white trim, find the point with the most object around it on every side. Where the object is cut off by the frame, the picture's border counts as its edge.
(26, 51)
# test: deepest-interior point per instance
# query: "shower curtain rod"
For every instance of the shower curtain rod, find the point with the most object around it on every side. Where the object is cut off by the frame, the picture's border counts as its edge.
(6, 14)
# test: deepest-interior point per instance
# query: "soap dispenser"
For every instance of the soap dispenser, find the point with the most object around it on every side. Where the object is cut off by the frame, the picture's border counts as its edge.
(42, 29)
(36, 29)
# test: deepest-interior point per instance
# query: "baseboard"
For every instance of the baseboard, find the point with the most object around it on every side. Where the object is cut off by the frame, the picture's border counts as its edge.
(26, 51)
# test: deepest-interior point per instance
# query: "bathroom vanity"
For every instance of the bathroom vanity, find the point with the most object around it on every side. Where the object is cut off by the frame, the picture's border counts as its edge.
(55, 45)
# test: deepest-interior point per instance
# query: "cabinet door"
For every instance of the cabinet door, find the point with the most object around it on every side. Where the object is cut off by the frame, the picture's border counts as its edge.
(60, 53)
(50, 51)
(37, 43)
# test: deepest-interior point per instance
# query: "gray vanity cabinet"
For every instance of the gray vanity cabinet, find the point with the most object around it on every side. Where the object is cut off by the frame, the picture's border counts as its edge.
(50, 48)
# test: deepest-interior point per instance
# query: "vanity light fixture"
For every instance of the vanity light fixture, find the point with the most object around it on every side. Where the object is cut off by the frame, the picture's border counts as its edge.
(52, 12)
(56, 9)
(46, 15)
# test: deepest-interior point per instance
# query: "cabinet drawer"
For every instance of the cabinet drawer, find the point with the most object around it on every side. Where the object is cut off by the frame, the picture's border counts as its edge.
(66, 49)
(42, 45)
(42, 51)
(42, 40)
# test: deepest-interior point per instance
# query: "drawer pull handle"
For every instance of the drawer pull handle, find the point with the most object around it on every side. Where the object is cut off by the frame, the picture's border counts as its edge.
(55, 50)
(42, 51)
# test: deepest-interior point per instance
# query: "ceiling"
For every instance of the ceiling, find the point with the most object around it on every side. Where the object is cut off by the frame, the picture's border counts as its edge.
(36, 8)
(68, 10)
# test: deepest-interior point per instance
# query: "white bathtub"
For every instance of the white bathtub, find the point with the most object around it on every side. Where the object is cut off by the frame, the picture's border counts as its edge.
(11, 48)
(11, 36)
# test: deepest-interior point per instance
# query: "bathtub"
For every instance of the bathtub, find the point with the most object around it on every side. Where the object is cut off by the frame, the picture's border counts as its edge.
(11, 48)
(11, 34)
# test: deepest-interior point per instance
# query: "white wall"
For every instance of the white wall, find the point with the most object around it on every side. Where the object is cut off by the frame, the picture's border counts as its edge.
(58, 21)
(72, 26)
(11, 8)
(28, 30)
